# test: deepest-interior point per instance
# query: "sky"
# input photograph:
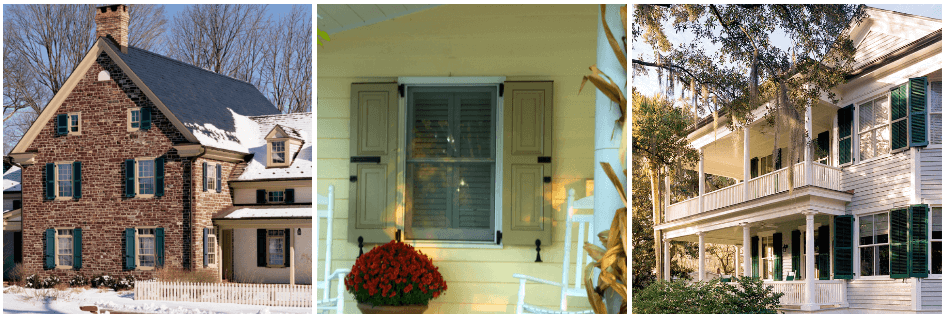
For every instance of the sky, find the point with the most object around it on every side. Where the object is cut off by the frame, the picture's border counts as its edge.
(649, 86)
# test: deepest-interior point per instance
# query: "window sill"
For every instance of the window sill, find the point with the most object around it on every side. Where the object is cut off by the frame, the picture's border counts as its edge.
(133, 129)
(275, 266)
(934, 277)
(63, 198)
(147, 268)
(143, 196)
(875, 278)
(64, 267)
(75, 133)
(453, 245)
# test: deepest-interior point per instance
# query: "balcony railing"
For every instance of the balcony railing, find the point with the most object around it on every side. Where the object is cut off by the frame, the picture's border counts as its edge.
(828, 292)
(765, 185)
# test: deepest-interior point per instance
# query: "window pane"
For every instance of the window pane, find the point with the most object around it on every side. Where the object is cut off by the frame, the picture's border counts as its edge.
(866, 116)
(881, 110)
(474, 195)
(278, 152)
(936, 257)
(65, 188)
(145, 168)
(65, 245)
(75, 123)
(475, 125)
(65, 172)
(866, 261)
(430, 198)
(882, 261)
(276, 196)
(881, 137)
(146, 260)
(882, 228)
(866, 146)
(276, 252)
(936, 218)
(65, 260)
(866, 230)
(146, 186)
(135, 118)
(430, 127)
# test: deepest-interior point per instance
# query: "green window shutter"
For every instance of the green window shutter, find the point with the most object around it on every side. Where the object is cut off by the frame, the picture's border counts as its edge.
(754, 167)
(777, 160)
(204, 176)
(754, 256)
(219, 178)
(899, 109)
(261, 248)
(796, 253)
(899, 243)
(62, 126)
(77, 248)
(129, 248)
(159, 246)
(77, 179)
(374, 131)
(49, 262)
(260, 196)
(18, 247)
(206, 247)
(778, 259)
(823, 143)
(526, 197)
(50, 181)
(159, 176)
(288, 242)
(843, 247)
(823, 259)
(919, 239)
(918, 102)
(845, 134)
(289, 195)
(145, 118)
(129, 178)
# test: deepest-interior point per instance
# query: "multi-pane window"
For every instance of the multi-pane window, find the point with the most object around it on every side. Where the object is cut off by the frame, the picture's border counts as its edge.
(74, 122)
(276, 247)
(935, 112)
(936, 241)
(146, 257)
(64, 247)
(64, 179)
(135, 118)
(276, 196)
(145, 177)
(211, 177)
(767, 258)
(212, 246)
(874, 245)
(874, 127)
(278, 151)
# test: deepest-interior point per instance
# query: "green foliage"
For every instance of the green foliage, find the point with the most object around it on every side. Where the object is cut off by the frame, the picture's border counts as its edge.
(644, 259)
(750, 296)
(322, 34)
(659, 132)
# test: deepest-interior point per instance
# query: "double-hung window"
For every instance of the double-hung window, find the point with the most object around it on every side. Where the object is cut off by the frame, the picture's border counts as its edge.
(874, 127)
(146, 248)
(451, 163)
(278, 151)
(276, 196)
(212, 246)
(936, 241)
(276, 248)
(874, 244)
(211, 179)
(64, 179)
(75, 127)
(134, 119)
(767, 258)
(64, 248)
(935, 113)
(146, 177)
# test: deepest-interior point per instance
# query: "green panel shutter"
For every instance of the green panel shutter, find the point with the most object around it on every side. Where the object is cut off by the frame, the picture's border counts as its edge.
(159, 246)
(845, 134)
(49, 258)
(286, 248)
(159, 176)
(145, 118)
(778, 260)
(260, 196)
(754, 167)
(129, 178)
(129, 248)
(919, 239)
(777, 160)
(62, 127)
(754, 256)
(289, 195)
(917, 111)
(796, 253)
(77, 248)
(843, 247)
(77, 179)
(50, 181)
(373, 132)
(219, 178)
(823, 259)
(204, 176)
(899, 243)
(206, 247)
(900, 124)
(261, 247)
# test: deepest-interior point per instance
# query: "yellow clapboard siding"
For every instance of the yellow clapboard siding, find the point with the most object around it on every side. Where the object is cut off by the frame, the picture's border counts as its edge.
(333, 128)
(333, 148)
(333, 168)
(333, 107)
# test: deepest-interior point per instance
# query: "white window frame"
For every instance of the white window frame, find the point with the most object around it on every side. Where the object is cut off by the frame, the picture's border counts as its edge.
(77, 125)
(928, 119)
(138, 253)
(929, 259)
(766, 262)
(888, 125)
(269, 196)
(71, 247)
(71, 179)
(874, 245)
(402, 159)
(138, 177)
(272, 147)
(212, 177)
(212, 254)
(130, 117)
(270, 237)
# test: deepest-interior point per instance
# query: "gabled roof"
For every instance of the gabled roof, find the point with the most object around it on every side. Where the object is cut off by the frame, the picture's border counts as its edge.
(11, 179)
(301, 125)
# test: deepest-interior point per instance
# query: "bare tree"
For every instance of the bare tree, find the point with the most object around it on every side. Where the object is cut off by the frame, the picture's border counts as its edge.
(287, 67)
(146, 27)
(725, 255)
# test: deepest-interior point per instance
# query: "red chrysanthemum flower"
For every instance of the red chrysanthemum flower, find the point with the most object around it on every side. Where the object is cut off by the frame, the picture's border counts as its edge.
(386, 274)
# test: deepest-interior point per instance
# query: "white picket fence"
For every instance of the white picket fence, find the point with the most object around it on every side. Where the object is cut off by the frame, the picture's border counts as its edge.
(252, 294)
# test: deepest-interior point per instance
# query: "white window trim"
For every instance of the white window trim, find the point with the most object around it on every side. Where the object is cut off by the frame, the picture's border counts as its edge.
(56, 248)
(213, 248)
(56, 178)
(211, 177)
(859, 270)
(128, 117)
(285, 154)
(928, 120)
(138, 265)
(929, 258)
(402, 159)
(268, 254)
(138, 160)
(69, 123)
(856, 134)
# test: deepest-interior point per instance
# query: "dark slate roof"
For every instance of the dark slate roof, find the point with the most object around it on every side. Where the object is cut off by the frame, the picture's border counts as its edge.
(196, 96)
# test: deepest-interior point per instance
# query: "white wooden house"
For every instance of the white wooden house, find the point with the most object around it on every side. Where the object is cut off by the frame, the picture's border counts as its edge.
(861, 231)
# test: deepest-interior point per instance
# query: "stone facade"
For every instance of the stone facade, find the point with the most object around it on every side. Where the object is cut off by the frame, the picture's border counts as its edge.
(207, 203)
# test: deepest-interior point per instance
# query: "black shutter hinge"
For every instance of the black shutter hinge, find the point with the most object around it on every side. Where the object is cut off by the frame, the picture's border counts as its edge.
(400, 89)
(501, 90)
(360, 246)
(353, 179)
(547, 179)
(366, 159)
(498, 237)
(397, 235)
(544, 159)
(538, 248)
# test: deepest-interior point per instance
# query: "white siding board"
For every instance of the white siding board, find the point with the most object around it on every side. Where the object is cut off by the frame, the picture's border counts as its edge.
(879, 184)
(875, 45)
(932, 294)
(894, 294)
(930, 162)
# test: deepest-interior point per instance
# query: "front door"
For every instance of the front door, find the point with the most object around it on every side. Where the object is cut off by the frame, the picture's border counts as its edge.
(226, 246)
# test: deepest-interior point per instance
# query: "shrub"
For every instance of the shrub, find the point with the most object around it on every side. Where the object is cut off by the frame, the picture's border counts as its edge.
(102, 281)
(394, 274)
(78, 280)
(50, 281)
(16, 274)
(712, 297)
(33, 281)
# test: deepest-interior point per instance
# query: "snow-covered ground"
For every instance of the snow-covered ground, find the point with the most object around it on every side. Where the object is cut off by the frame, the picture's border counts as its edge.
(30, 301)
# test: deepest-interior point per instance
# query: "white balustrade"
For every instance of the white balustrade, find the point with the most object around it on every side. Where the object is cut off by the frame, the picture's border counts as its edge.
(793, 291)
(724, 197)
(829, 292)
(682, 209)
(826, 176)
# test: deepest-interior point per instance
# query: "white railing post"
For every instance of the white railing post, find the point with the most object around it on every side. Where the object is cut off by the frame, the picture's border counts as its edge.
(808, 128)
(746, 159)
(667, 256)
(701, 181)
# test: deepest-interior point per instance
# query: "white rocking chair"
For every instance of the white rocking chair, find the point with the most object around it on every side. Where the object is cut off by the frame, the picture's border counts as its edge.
(578, 289)
(329, 303)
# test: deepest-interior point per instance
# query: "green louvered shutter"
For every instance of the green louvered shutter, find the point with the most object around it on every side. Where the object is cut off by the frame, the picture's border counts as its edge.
(129, 178)
(159, 176)
(77, 248)
(754, 167)
(204, 176)
(145, 118)
(77, 179)
(899, 243)
(260, 196)
(129, 248)
(919, 239)
(50, 181)
(286, 248)
(823, 259)
(778, 260)
(289, 195)
(845, 134)
(918, 102)
(261, 248)
(62, 127)
(159, 246)
(206, 248)
(754, 256)
(900, 111)
(796, 253)
(49, 258)
(843, 247)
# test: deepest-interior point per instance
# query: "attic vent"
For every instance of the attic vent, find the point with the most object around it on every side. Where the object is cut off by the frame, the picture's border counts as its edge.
(104, 75)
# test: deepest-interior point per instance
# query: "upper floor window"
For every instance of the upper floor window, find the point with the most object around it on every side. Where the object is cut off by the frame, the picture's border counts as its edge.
(144, 177)
(874, 127)
(63, 180)
(69, 124)
(211, 179)
(138, 118)
(276, 196)
(134, 118)
(278, 152)
(74, 126)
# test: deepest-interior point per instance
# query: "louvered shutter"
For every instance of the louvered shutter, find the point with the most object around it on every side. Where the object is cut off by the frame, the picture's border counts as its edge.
(777, 160)
(261, 247)
(526, 197)
(289, 196)
(918, 104)
(62, 126)
(286, 248)
(77, 248)
(845, 134)
(899, 243)
(843, 247)
(130, 248)
(50, 181)
(823, 259)
(18, 247)
(159, 176)
(374, 133)
(899, 108)
(778, 260)
(796, 253)
(754, 256)
(754, 167)
(159, 246)
(260, 196)
(77, 179)
(204, 176)
(206, 248)
(145, 118)
(919, 239)
(219, 178)
(49, 258)
(129, 178)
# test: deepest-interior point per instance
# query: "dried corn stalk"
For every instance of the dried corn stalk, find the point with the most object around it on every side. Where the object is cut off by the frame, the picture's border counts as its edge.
(613, 261)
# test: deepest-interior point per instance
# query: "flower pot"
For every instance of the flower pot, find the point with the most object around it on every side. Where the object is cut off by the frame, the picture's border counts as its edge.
(407, 309)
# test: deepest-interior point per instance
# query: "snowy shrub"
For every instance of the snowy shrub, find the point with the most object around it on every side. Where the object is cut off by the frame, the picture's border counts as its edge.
(103, 281)
(50, 281)
(33, 281)
(126, 282)
(79, 280)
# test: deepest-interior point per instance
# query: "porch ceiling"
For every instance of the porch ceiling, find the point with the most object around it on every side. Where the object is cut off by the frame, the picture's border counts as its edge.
(334, 18)
(733, 235)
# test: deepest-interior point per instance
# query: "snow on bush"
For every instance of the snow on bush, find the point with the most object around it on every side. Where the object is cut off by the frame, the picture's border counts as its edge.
(79, 280)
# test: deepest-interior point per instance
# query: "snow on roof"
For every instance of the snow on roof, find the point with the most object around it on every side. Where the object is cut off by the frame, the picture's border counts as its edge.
(240, 140)
(239, 212)
(11, 179)
(299, 124)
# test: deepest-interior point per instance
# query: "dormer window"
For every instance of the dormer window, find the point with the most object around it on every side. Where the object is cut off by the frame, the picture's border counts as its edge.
(278, 152)
(282, 143)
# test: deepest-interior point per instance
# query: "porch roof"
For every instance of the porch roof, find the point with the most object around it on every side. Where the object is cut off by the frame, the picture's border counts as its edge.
(278, 211)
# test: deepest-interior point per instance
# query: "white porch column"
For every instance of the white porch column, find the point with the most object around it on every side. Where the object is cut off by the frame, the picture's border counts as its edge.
(667, 256)
(701, 181)
(737, 269)
(809, 276)
(291, 259)
(701, 255)
(809, 130)
(746, 249)
(747, 163)
(666, 192)
(835, 144)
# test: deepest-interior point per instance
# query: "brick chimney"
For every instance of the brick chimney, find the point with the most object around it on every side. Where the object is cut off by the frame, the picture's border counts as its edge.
(111, 22)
